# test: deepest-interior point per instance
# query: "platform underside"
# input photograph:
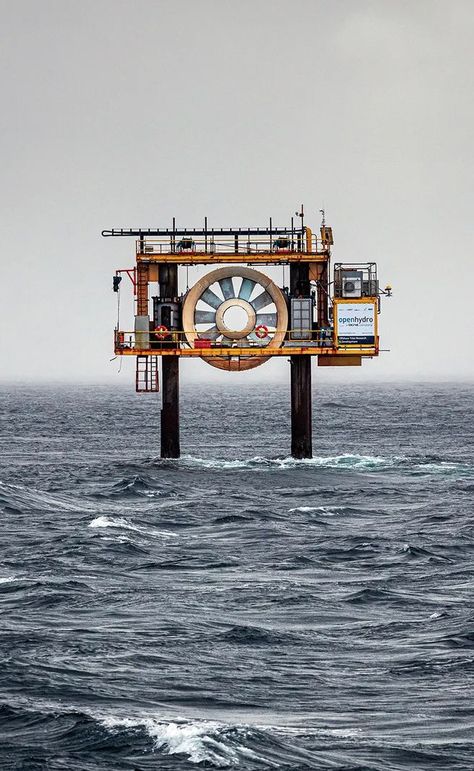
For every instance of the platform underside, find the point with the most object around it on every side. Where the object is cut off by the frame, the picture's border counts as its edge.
(258, 351)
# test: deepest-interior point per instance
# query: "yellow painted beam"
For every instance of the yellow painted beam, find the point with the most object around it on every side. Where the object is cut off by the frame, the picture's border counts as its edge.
(323, 353)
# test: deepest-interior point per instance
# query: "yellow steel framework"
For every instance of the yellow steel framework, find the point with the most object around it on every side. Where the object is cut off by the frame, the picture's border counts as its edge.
(307, 255)
(334, 320)
(203, 258)
(125, 345)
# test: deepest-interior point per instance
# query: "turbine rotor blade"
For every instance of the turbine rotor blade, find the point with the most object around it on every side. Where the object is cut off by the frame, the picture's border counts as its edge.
(269, 319)
(211, 298)
(204, 317)
(252, 337)
(246, 289)
(211, 334)
(262, 301)
(227, 286)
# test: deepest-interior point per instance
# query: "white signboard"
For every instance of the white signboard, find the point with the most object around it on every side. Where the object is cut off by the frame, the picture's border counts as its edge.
(356, 323)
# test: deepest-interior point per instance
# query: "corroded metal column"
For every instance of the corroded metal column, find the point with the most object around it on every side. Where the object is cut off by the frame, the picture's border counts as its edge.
(300, 376)
(301, 415)
(170, 407)
(168, 276)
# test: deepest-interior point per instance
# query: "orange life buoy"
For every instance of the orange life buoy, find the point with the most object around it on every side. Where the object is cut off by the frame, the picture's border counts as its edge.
(261, 331)
(161, 332)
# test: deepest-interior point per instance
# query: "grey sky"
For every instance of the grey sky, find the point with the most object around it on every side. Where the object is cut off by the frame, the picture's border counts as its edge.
(126, 113)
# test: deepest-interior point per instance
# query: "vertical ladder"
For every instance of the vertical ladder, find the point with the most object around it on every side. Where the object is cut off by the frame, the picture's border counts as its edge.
(142, 289)
(146, 377)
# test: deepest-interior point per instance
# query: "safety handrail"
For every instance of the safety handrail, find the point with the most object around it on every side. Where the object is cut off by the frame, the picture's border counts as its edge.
(219, 244)
(320, 341)
(164, 338)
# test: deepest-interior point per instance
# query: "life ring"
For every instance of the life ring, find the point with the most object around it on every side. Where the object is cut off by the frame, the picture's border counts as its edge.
(261, 331)
(161, 332)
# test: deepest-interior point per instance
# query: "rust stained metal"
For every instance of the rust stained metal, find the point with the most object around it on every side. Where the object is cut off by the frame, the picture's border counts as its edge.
(259, 258)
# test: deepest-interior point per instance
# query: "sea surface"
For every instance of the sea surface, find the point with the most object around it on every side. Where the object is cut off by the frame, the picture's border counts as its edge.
(236, 608)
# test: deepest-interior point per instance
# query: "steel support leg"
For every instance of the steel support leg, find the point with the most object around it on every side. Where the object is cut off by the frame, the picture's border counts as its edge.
(301, 415)
(168, 278)
(170, 407)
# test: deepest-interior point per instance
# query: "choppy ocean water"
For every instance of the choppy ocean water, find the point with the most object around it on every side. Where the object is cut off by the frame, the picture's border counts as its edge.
(237, 608)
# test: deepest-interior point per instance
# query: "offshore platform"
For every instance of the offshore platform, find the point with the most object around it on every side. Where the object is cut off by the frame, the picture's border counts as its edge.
(236, 317)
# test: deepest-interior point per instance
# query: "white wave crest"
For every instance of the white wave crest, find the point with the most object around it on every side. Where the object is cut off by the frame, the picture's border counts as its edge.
(444, 467)
(345, 461)
(7, 579)
(328, 511)
(123, 524)
(305, 508)
(200, 741)
(119, 522)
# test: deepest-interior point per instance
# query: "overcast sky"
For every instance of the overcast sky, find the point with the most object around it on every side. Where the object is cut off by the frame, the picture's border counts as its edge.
(124, 113)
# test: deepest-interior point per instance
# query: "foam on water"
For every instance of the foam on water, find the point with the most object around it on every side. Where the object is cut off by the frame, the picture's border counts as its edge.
(202, 741)
(445, 467)
(103, 521)
(123, 524)
(329, 511)
(345, 461)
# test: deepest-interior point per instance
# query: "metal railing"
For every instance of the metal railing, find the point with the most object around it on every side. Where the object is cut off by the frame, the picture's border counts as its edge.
(156, 340)
(221, 244)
